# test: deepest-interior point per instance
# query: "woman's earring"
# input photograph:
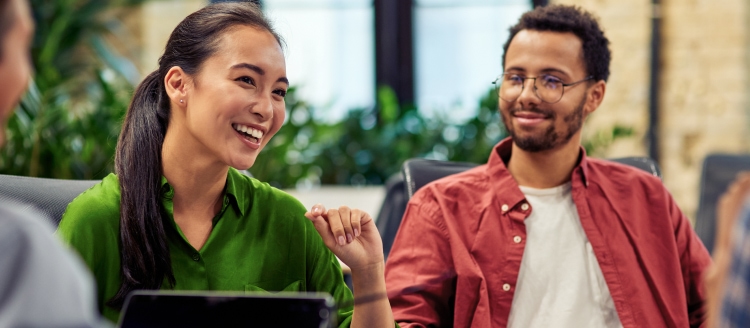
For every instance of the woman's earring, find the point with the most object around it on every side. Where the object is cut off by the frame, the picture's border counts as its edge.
(181, 101)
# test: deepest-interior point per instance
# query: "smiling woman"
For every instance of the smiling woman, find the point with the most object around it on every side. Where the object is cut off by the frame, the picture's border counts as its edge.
(178, 214)
(242, 85)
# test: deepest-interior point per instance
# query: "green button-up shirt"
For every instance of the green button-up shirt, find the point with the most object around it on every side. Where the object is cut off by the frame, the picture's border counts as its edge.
(260, 241)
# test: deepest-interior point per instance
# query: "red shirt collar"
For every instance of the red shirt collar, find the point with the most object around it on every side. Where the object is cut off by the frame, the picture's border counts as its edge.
(498, 171)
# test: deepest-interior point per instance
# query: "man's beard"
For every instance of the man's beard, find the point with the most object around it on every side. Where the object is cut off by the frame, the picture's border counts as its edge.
(550, 138)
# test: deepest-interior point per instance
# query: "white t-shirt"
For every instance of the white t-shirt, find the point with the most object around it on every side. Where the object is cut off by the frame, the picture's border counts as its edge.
(560, 283)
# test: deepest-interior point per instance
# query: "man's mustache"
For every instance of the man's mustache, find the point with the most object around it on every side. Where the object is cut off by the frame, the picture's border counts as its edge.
(534, 110)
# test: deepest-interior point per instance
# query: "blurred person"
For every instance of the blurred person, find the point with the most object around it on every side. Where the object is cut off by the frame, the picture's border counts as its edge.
(728, 279)
(178, 215)
(542, 235)
(42, 284)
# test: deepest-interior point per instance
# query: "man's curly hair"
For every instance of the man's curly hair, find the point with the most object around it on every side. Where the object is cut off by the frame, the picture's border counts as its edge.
(561, 18)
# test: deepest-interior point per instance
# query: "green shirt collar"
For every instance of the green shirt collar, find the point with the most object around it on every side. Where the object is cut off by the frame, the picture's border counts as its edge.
(233, 195)
(237, 196)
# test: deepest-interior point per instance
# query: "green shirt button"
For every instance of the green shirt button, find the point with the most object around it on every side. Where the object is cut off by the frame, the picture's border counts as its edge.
(196, 257)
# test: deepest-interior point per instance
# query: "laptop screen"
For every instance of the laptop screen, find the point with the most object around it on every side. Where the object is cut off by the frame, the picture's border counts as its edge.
(225, 309)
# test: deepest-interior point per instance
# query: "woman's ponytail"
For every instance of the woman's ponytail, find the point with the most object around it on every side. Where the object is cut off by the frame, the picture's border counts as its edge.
(144, 253)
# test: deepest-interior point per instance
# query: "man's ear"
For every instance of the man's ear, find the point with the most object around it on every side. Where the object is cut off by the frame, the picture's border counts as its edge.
(595, 96)
(176, 84)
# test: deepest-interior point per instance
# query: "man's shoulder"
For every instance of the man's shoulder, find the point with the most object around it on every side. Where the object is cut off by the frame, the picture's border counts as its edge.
(472, 184)
(610, 173)
(633, 192)
(474, 178)
(470, 176)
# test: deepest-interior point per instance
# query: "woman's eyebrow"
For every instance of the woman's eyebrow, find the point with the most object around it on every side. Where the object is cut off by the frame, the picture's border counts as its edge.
(258, 70)
(251, 67)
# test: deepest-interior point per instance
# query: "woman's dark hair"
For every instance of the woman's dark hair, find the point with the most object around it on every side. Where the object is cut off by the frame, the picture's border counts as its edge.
(561, 18)
(144, 255)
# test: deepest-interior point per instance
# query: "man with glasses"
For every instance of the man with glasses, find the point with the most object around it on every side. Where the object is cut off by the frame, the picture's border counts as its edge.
(542, 235)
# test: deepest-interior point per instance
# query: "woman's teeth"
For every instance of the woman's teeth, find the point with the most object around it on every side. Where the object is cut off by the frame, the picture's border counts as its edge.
(248, 131)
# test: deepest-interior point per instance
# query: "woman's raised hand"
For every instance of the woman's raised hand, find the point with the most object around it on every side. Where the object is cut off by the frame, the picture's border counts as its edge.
(350, 234)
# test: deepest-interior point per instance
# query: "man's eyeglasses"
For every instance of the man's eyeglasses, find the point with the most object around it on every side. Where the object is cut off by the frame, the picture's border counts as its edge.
(548, 88)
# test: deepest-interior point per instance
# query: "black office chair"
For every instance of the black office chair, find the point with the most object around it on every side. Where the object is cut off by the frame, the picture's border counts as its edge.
(418, 172)
(50, 196)
(643, 163)
(719, 170)
(392, 210)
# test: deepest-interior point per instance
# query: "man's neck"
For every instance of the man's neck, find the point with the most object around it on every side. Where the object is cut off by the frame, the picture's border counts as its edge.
(544, 169)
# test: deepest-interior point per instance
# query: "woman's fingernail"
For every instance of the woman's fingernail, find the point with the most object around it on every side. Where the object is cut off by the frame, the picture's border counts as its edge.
(341, 240)
(349, 237)
(356, 232)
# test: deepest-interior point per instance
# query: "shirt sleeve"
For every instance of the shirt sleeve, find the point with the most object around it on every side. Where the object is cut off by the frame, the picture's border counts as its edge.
(694, 260)
(419, 273)
(735, 308)
(326, 276)
(90, 226)
(42, 284)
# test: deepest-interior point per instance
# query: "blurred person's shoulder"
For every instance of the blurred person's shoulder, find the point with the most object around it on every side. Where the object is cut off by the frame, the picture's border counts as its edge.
(30, 254)
(22, 222)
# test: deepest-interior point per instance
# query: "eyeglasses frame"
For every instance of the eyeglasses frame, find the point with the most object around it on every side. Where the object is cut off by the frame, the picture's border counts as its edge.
(523, 85)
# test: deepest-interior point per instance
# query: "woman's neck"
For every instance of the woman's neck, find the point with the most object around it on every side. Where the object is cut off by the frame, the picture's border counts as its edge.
(197, 178)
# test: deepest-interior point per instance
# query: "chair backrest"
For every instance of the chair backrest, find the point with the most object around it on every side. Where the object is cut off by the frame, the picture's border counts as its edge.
(644, 163)
(418, 172)
(719, 170)
(50, 196)
(392, 210)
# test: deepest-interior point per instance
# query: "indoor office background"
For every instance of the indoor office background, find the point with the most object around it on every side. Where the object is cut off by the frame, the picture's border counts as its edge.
(376, 82)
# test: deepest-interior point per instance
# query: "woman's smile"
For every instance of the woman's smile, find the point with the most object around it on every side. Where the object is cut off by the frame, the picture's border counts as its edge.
(251, 136)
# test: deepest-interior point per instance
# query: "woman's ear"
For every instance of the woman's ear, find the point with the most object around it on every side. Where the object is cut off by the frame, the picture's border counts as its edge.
(176, 85)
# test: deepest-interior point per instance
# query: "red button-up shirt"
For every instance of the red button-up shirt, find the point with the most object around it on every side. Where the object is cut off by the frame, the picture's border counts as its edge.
(456, 257)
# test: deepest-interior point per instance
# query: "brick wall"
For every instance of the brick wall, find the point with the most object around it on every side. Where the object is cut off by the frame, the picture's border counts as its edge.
(704, 68)
(704, 106)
